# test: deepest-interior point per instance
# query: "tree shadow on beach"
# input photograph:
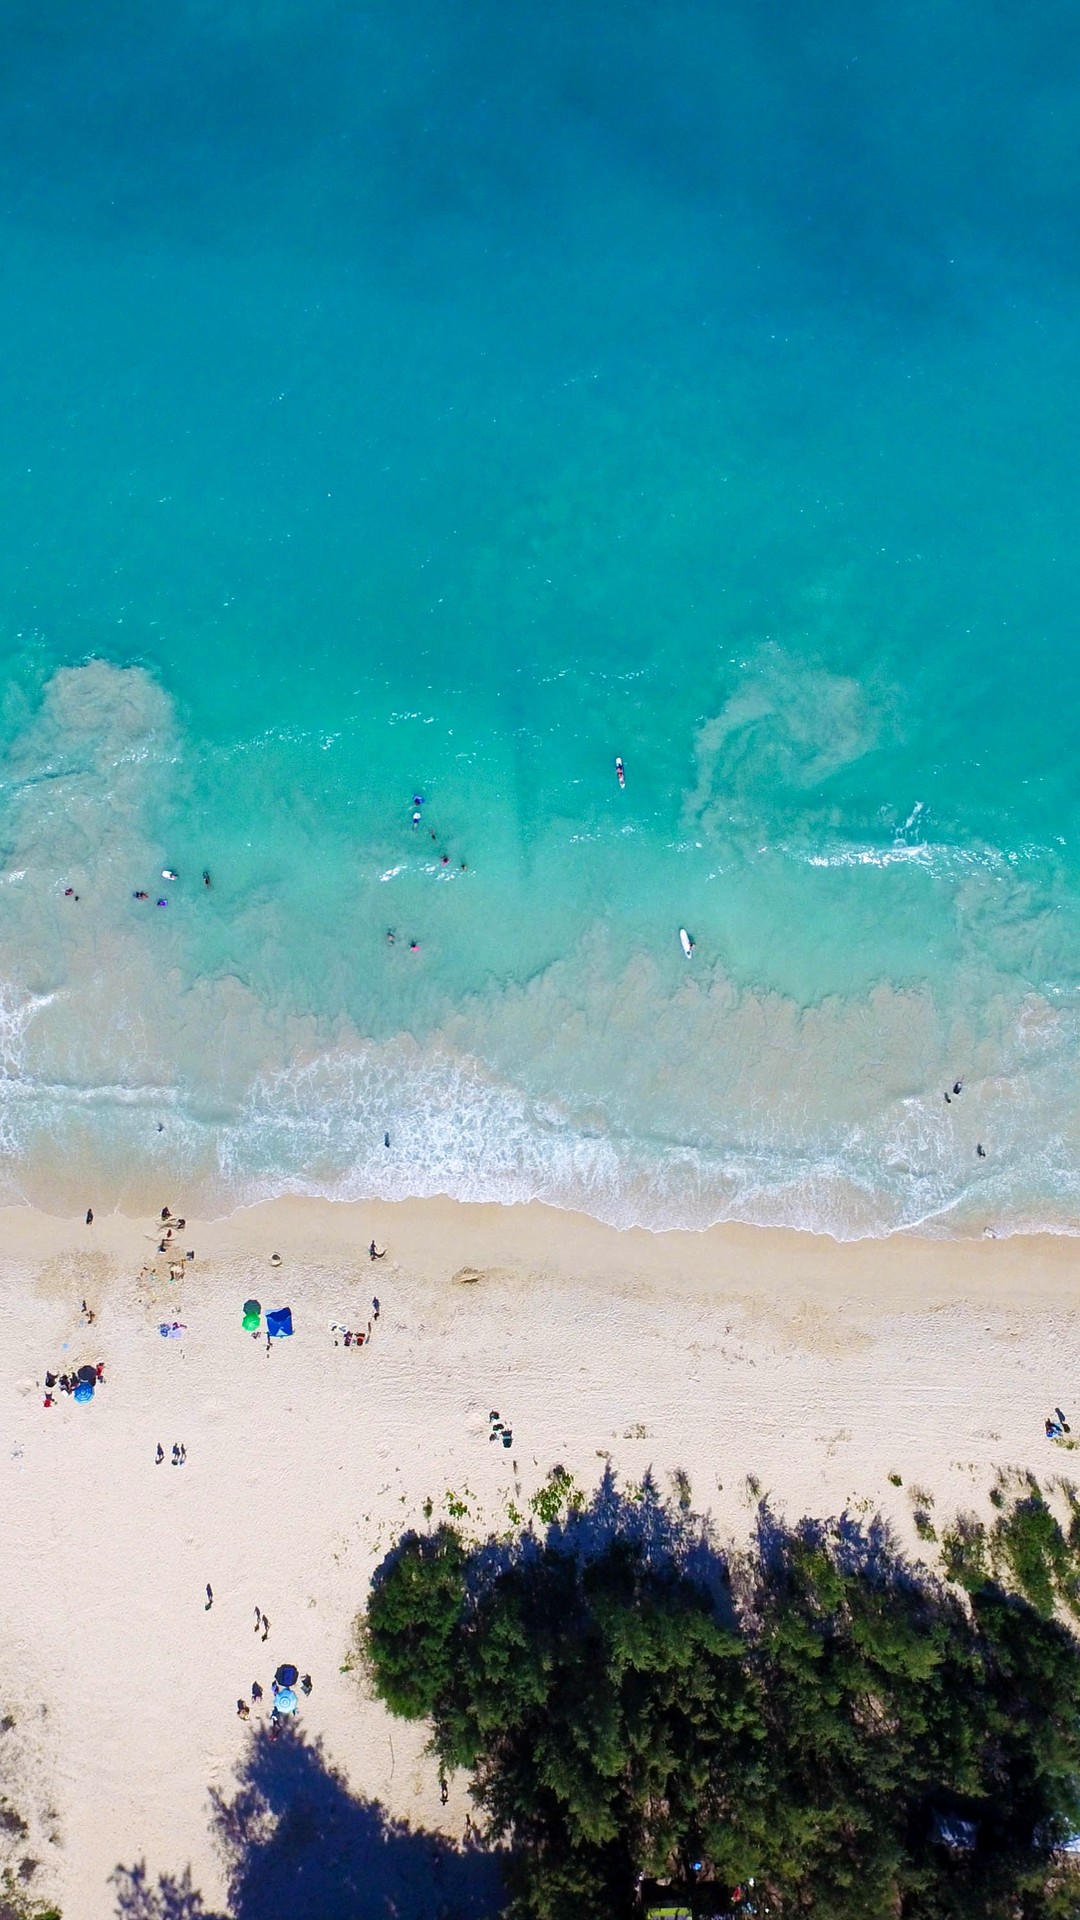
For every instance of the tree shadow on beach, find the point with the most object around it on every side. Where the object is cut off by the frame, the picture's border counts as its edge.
(297, 1845)
(138, 1897)
(665, 1536)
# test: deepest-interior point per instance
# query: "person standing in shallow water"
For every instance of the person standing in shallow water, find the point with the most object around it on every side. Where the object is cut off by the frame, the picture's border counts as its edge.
(89, 1216)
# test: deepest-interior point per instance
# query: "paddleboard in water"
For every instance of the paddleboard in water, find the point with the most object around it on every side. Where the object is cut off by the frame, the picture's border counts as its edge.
(620, 771)
(687, 943)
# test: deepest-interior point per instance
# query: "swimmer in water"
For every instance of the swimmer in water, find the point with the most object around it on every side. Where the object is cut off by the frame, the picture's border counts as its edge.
(206, 876)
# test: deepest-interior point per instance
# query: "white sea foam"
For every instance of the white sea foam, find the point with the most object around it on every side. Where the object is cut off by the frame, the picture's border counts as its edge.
(610, 1080)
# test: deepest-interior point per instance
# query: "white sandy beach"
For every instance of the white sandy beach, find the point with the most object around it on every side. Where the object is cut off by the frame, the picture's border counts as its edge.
(816, 1369)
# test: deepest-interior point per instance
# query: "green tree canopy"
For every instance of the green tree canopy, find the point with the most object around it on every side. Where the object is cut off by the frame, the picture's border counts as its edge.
(818, 1715)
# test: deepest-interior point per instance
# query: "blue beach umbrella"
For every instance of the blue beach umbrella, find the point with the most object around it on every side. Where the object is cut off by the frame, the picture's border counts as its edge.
(285, 1700)
(84, 1391)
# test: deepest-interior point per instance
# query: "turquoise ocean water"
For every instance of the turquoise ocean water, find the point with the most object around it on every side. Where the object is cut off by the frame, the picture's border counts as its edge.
(445, 398)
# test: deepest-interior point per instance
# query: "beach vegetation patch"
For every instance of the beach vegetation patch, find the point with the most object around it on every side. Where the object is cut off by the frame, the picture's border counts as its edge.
(1025, 1552)
(557, 1496)
(16, 1902)
(817, 1713)
(412, 1619)
(1031, 1548)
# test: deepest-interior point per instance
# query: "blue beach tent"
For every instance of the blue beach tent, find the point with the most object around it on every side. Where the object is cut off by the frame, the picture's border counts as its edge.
(279, 1323)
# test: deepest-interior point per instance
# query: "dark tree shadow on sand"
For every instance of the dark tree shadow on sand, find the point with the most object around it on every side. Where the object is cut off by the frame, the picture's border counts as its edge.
(297, 1845)
(138, 1897)
(666, 1538)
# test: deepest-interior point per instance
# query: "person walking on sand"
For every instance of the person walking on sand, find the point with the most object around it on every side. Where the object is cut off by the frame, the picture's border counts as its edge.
(160, 1454)
(266, 1626)
(243, 1710)
(377, 1253)
(89, 1216)
(209, 1597)
(375, 1307)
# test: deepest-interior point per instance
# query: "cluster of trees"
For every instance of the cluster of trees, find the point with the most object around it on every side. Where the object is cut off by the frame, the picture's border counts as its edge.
(857, 1735)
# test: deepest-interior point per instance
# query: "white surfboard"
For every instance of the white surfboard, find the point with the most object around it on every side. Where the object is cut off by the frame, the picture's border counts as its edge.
(686, 942)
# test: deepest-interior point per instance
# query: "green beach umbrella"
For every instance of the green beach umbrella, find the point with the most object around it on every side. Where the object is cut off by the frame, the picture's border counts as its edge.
(252, 1316)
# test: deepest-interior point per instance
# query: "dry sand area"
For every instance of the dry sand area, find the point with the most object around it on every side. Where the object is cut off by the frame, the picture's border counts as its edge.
(749, 1361)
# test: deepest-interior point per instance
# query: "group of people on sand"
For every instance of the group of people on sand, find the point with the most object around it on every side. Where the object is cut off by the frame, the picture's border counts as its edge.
(164, 1227)
(281, 1686)
(167, 1225)
(347, 1337)
(56, 1383)
(1057, 1428)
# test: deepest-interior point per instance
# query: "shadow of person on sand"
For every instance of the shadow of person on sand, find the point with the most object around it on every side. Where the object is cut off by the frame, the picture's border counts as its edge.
(297, 1845)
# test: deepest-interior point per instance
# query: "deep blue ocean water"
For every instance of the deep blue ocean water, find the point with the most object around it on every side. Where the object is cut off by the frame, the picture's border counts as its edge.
(444, 399)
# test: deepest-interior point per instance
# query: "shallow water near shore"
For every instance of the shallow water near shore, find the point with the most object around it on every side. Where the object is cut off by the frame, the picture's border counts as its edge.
(438, 402)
